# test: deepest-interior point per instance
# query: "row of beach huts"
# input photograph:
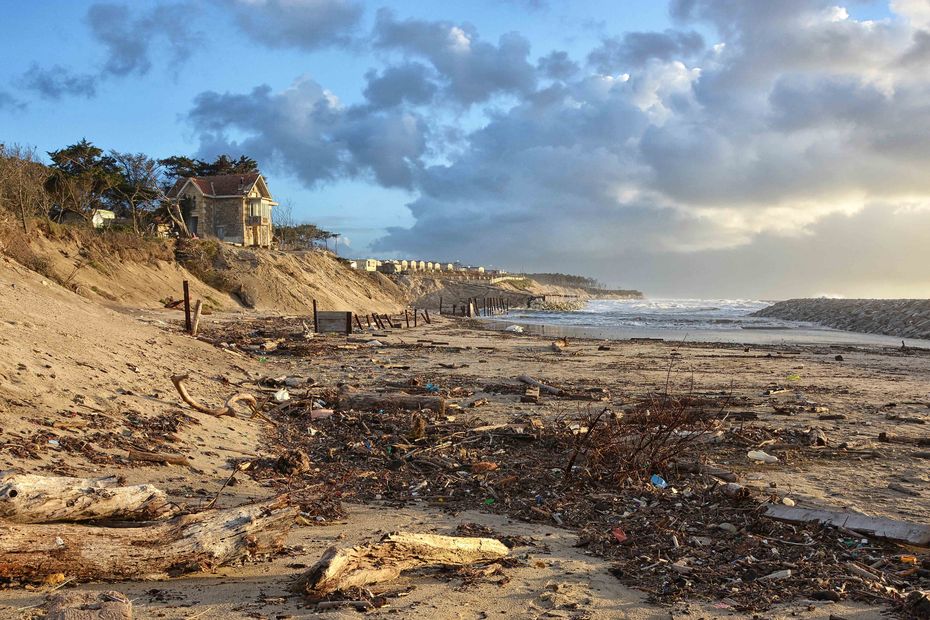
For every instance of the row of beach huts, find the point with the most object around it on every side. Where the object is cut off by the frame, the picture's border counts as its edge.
(403, 266)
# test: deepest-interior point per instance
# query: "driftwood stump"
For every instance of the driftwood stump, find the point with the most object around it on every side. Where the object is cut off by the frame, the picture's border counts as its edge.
(360, 566)
(27, 498)
(187, 543)
(88, 606)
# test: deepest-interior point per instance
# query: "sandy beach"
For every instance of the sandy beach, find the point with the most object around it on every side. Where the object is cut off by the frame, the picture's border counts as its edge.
(766, 397)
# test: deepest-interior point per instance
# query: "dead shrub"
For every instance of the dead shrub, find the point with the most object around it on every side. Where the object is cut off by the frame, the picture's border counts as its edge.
(615, 447)
(204, 258)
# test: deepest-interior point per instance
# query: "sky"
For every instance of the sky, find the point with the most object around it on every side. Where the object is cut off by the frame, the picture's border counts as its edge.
(689, 148)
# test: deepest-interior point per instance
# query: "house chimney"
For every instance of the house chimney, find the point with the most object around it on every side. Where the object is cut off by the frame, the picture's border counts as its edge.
(241, 184)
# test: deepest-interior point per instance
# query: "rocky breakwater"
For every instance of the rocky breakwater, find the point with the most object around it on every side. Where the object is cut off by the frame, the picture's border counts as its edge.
(906, 318)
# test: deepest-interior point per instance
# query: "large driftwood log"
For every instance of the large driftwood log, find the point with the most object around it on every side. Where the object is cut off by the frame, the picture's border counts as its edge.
(184, 544)
(109, 605)
(27, 498)
(393, 402)
(360, 566)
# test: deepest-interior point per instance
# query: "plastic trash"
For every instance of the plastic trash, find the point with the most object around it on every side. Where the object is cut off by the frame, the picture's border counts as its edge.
(619, 535)
(374, 343)
(658, 481)
(432, 388)
(282, 395)
(762, 457)
(515, 329)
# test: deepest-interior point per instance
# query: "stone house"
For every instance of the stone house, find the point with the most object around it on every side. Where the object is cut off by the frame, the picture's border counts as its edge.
(235, 208)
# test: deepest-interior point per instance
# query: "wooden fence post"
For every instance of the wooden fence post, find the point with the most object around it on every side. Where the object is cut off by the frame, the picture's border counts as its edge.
(316, 324)
(407, 317)
(414, 317)
(348, 323)
(187, 307)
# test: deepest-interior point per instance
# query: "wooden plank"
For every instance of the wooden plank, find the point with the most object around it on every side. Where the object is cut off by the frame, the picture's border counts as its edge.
(899, 531)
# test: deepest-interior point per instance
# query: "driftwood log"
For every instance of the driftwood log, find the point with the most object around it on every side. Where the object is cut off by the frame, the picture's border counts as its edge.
(392, 402)
(548, 389)
(187, 543)
(360, 566)
(79, 605)
(27, 498)
(226, 409)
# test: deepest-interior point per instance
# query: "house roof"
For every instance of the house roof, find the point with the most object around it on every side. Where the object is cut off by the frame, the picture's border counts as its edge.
(219, 185)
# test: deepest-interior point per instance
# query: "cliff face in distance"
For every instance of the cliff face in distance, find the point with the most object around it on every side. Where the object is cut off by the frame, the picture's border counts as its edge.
(906, 318)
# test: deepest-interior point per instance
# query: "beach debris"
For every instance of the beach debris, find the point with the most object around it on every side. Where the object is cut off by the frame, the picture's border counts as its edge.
(559, 345)
(879, 527)
(363, 565)
(158, 457)
(29, 498)
(658, 481)
(516, 329)
(695, 467)
(282, 395)
(188, 543)
(761, 457)
(226, 409)
(548, 389)
(530, 395)
(88, 605)
(917, 605)
(392, 402)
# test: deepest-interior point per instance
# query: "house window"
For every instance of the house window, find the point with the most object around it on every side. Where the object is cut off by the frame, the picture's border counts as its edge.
(221, 232)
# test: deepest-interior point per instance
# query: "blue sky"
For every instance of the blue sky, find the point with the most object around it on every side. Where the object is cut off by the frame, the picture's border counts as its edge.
(693, 147)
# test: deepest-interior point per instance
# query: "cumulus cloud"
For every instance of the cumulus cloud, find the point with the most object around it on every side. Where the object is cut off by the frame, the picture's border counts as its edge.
(56, 82)
(793, 126)
(305, 130)
(635, 48)
(472, 70)
(557, 65)
(304, 24)
(411, 82)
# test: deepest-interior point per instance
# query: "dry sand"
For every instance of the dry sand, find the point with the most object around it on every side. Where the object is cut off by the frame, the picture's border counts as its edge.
(63, 357)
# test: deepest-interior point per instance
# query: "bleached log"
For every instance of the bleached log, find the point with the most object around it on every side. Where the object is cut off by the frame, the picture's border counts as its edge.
(79, 605)
(890, 529)
(188, 543)
(28, 498)
(393, 402)
(363, 565)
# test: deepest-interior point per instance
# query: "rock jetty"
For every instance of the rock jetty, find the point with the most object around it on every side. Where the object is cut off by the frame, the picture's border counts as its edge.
(906, 318)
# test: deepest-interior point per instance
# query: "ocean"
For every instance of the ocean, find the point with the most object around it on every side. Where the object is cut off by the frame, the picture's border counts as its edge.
(703, 320)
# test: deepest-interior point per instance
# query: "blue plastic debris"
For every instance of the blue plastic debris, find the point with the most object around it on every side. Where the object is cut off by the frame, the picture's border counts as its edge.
(432, 388)
(658, 481)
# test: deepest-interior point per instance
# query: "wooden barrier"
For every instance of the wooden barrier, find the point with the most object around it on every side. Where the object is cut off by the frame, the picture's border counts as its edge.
(332, 321)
